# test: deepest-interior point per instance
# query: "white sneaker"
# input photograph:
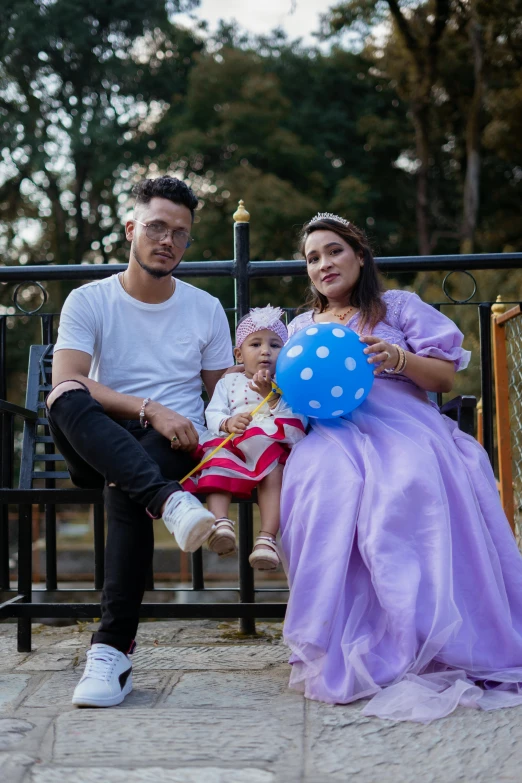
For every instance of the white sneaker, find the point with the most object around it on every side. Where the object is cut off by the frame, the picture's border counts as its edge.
(188, 520)
(107, 678)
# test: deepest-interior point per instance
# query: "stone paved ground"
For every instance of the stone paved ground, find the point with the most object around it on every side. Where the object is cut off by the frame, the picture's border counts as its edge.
(209, 707)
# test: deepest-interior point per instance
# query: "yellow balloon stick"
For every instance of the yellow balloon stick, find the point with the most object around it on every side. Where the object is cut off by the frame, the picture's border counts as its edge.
(229, 437)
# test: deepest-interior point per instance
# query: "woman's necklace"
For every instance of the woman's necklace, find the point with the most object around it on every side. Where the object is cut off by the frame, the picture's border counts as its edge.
(342, 316)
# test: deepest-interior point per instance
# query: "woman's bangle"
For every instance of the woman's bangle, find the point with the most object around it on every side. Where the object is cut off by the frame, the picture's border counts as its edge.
(404, 362)
(401, 362)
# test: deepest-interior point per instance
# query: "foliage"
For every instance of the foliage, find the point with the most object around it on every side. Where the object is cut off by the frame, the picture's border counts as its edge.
(94, 96)
(82, 84)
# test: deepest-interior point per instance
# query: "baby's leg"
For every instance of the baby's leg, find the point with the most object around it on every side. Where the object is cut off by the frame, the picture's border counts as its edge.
(268, 498)
(219, 503)
(264, 556)
(222, 540)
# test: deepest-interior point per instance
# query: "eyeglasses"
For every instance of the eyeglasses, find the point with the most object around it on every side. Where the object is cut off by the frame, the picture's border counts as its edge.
(158, 231)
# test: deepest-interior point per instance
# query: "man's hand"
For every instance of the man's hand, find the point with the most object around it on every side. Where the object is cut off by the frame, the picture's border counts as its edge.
(235, 368)
(238, 423)
(179, 430)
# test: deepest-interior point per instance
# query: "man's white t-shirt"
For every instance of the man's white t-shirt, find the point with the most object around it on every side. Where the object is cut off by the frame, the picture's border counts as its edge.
(148, 350)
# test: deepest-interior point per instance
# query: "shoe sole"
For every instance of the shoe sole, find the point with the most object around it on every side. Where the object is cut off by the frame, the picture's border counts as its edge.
(223, 545)
(110, 702)
(263, 564)
(198, 535)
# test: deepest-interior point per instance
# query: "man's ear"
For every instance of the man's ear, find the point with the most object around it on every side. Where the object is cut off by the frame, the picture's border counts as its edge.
(129, 230)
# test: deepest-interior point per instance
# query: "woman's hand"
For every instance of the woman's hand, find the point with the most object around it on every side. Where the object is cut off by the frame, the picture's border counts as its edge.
(385, 354)
(261, 383)
(427, 372)
(237, 424)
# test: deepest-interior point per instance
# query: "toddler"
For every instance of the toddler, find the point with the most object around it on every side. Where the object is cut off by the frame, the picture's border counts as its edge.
(255, 456)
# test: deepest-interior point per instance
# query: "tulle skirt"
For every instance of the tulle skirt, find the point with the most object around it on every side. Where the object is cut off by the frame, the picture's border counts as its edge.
(406, 581)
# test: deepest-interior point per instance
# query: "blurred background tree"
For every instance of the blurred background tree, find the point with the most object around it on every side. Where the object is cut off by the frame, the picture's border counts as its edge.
(82, 83)
(411, 126)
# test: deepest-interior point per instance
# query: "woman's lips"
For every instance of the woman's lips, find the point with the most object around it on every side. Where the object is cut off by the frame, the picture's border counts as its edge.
(328, 278)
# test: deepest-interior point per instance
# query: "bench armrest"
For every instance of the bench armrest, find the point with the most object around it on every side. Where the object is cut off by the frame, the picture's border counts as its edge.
(16, 410)
(457, 403)
(462, 410)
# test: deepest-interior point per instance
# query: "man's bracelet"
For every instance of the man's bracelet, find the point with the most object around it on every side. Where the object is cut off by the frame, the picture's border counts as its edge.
(143, 421)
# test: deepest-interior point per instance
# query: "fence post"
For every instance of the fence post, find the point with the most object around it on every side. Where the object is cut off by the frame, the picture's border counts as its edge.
(47, 324)
(247, 625)
(242, 259)
(486, 378)
(51, 572)
(25, 572)
(6, 443)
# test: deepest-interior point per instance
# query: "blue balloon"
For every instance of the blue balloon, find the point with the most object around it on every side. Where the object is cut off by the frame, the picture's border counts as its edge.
(323, 372)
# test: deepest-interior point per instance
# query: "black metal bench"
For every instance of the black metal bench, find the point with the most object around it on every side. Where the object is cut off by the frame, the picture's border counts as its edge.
(39, 462)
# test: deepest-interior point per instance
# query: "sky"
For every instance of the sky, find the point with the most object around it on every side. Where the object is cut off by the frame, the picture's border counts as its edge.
(299, 18)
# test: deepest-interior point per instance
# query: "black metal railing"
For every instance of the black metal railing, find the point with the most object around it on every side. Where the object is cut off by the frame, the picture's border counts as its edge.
(241, 270)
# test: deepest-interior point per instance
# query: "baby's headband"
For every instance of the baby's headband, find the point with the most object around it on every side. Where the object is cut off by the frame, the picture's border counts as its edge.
(261, 318)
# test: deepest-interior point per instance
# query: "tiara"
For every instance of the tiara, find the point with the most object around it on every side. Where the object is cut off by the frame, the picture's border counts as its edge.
(328, 216)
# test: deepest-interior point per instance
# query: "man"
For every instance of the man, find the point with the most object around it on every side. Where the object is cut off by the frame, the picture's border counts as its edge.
(126, 409)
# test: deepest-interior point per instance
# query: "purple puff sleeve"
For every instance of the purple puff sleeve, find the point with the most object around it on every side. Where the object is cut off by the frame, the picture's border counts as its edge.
(430, 333)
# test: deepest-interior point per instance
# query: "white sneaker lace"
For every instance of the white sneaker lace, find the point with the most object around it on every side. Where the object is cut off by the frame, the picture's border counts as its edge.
(100, 664)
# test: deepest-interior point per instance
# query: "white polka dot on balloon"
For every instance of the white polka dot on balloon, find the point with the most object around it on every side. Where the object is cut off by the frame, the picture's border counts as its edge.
(314, 404)
(337, 413)
(338, 332)
(312, 330)
(350, 363)
(322, 352)
(307, 373)
(359, 393)
(295, 351)
(337, 391)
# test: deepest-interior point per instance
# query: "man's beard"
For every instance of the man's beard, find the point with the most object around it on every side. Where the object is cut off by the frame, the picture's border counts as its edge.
(156, 273)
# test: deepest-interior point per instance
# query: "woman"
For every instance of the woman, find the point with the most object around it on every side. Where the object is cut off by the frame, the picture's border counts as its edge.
(406, 582)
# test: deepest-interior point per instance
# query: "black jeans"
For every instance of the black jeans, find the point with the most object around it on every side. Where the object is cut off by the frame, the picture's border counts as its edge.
(100, 451)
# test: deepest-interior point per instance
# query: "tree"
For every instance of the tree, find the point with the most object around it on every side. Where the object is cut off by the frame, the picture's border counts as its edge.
(82, 85)
(420, 28)
(292, 131)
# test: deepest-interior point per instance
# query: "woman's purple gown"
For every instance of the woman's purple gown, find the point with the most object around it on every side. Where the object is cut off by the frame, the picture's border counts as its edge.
(406, 581)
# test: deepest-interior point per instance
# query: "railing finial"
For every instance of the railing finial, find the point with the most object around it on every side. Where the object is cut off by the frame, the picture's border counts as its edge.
(499, 307)
(241, 215)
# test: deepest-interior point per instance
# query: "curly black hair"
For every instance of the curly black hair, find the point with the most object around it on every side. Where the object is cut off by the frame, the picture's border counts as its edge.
(166, 187)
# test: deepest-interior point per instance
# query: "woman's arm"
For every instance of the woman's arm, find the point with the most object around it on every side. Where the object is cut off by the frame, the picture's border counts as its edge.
(435, 375)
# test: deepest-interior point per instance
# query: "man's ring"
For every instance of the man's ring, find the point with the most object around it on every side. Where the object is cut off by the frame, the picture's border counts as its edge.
(174, 439)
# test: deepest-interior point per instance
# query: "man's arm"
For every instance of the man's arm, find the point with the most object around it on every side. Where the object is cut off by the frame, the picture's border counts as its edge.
(71, 365)
(210, 378)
